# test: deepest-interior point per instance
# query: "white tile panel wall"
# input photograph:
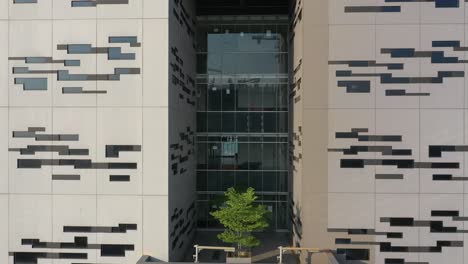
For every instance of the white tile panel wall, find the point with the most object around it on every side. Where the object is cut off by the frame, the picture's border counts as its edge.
(396, 47)
(126, 109)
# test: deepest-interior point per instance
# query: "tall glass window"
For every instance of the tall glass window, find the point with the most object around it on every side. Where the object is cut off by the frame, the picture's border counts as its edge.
(242, 114)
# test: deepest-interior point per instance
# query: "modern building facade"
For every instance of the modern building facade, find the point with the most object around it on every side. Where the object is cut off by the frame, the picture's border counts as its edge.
(380, 129)
(97, 130)
(122, 122)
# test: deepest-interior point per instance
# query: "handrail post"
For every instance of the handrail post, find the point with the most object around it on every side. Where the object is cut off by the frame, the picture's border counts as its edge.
(280, 257)
(195, 256)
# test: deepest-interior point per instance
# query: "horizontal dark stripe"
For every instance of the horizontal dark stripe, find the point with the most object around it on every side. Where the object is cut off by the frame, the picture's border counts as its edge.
(119, 178)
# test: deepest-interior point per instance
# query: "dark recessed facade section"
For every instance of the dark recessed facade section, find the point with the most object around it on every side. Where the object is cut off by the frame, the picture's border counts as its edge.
(354, 253)
(119, 178)
(76, 163)
(24, 1)
(436, 151)
(243, 110)
(121, 228)
(389, 176)
(242, 7)
(442, 177)
(384, 150)
(402, 92)
(113, 151)
(372, 9)
(61, 150)
(355, 86)
(400, 221)
(342, 241)
(32, 132)
(65, 177)
(399, 163)
(115, 250)
(357, 134)
(447, 213)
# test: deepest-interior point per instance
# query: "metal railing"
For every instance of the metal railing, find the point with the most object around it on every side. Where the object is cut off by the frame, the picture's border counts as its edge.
(282, 251)
(200, 248)
(328, 252)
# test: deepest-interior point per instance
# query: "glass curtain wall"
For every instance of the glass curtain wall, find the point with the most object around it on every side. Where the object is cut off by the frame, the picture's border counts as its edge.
(242, 113)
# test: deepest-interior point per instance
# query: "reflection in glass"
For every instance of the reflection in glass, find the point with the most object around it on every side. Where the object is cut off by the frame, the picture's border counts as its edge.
(214, 97)
(242, 114)
(229, 97)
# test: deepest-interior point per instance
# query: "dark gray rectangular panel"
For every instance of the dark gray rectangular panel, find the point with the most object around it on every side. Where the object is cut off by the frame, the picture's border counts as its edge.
(389, 176)
(119, 178)
(65, 177)
(24, 1)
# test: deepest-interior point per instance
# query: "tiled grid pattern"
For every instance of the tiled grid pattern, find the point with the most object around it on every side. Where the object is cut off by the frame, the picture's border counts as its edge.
(133, 111)
(416, 200)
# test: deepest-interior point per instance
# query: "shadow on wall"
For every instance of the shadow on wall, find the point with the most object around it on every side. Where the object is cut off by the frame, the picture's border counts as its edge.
(148, 259)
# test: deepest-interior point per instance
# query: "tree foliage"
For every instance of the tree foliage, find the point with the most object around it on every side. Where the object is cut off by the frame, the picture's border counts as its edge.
(240, 216)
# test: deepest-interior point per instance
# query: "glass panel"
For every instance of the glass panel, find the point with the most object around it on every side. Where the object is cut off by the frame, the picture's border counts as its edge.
(242, 97)
(214, 63)
(214, 156)
(269, 122)
(229, 122)
(282, 215)
(242, 125)
(269, 181)
(282, 63)
(283, 122)
(228, 179)
(255, 156)
(214, 181)
(215, 122)
(202, 155)
(229, 154)
(255, 97)
(269, 97)
(201, 181)
(283, 37)
(215, 39)
(202, 97)
(231, 63)
(243, 158)
(271, 206)
(202, 37)
(269, 156)
(283, 96)
(282, 156)
(201, 122)
(255, 180)
(202, 214)
(244, 40)
(257, 63)
(242, 180)
(214, 97)
(229, 97)
(255, 122)
(202, 63)
(283, 182)
(230, 38)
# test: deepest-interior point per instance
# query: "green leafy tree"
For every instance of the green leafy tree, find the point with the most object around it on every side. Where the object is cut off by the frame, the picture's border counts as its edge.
(240, 216)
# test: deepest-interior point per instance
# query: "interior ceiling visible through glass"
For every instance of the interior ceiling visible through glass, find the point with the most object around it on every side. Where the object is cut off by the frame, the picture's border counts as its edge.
(242, 113)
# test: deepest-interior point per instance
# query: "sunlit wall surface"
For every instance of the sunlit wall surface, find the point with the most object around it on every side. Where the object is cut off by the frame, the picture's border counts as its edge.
(242, 112)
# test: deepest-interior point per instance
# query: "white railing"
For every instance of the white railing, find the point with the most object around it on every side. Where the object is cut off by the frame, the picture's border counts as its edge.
(331, 257)
(200, 248)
